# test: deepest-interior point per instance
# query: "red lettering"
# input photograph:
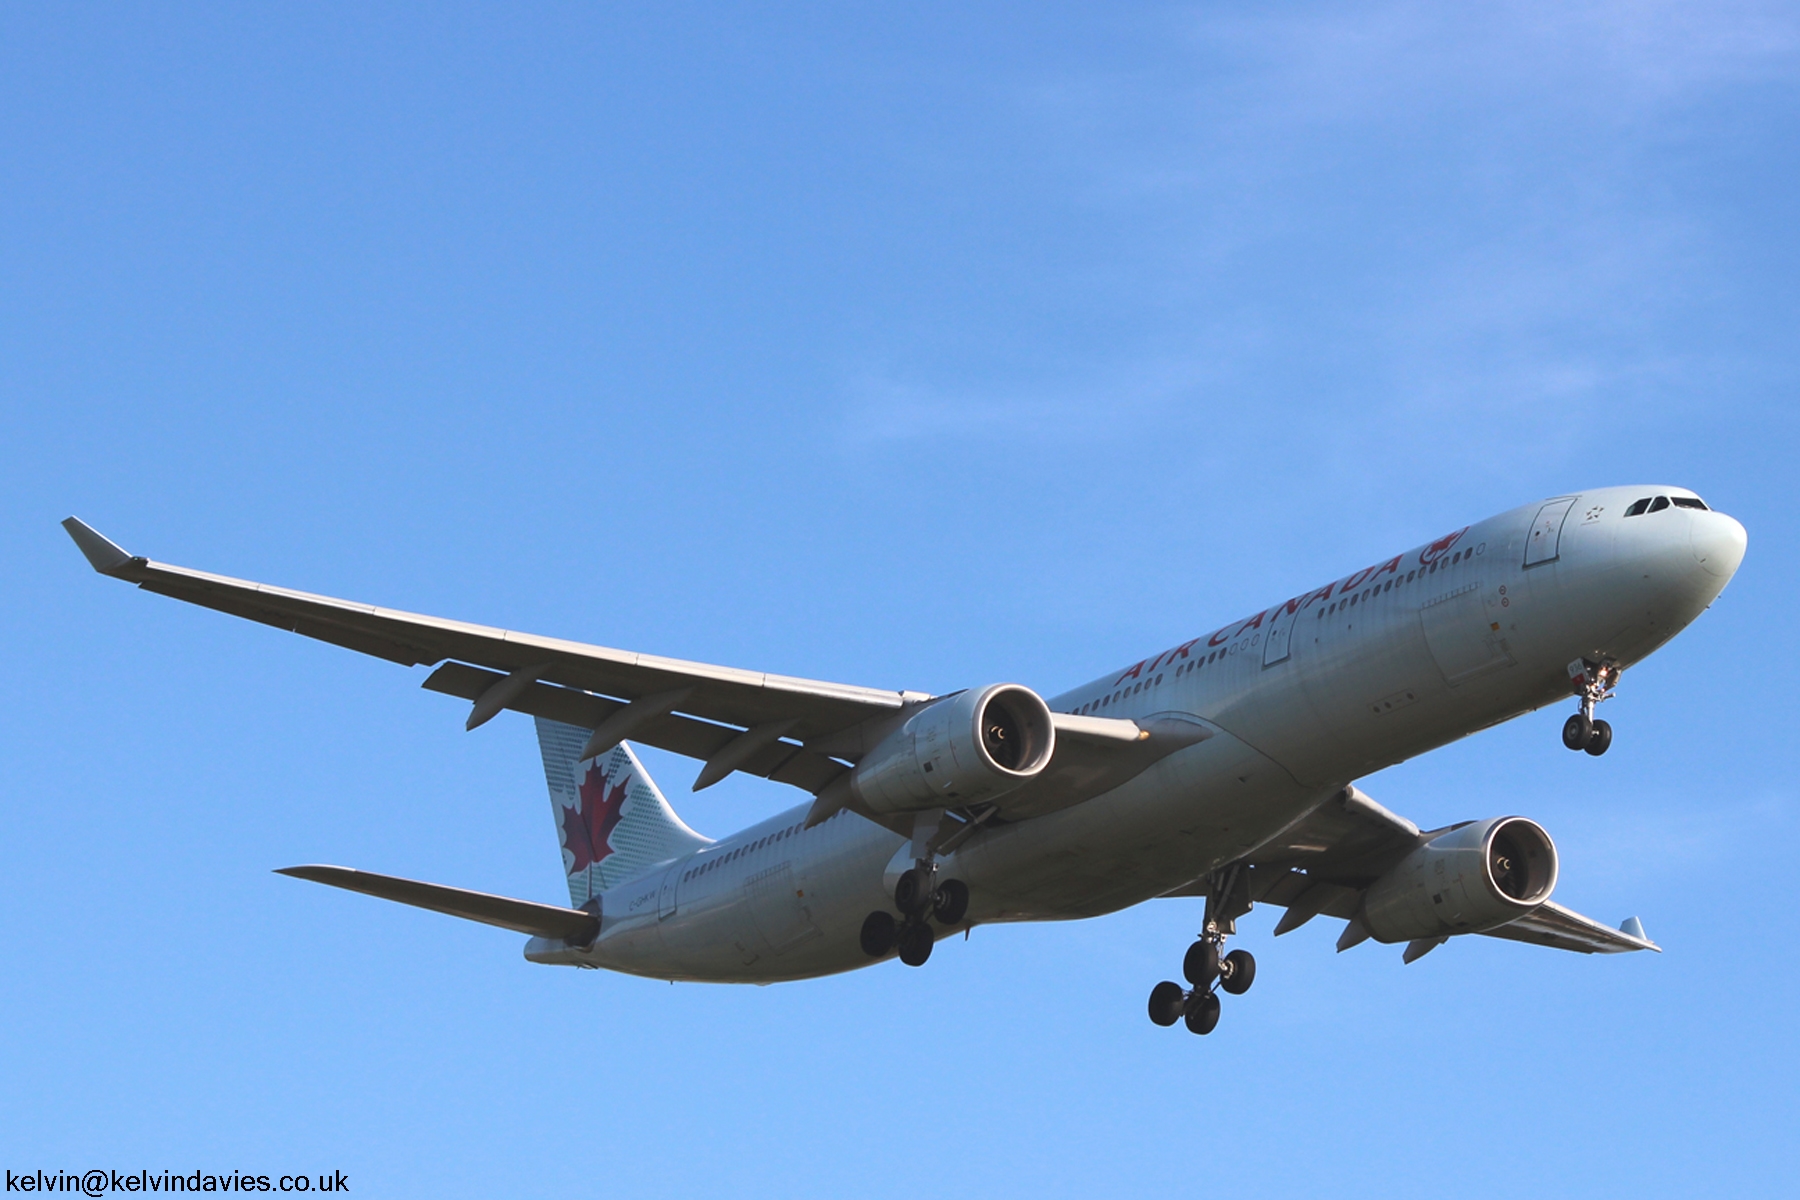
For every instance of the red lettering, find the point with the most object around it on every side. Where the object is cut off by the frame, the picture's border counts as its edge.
(1253, 623)
(1131, 674)
(1391, 566)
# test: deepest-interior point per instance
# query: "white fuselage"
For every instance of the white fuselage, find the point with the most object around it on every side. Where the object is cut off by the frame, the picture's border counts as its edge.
(1406, 655)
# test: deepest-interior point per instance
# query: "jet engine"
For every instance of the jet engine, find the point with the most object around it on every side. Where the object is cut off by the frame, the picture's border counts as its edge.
(975, 745)
(1475, 877)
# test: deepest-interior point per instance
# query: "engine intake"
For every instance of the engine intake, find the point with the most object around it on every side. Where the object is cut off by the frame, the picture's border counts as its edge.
(1477, 877)
(975, 745)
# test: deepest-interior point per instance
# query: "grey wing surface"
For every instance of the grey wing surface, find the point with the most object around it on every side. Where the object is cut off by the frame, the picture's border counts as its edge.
(804, 732)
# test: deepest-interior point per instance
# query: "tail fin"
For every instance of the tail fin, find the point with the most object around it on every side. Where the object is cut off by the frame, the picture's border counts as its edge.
(611, 818)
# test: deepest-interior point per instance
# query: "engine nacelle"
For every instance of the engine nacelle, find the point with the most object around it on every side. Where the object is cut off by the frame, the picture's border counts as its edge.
(975, 745)
(1470, 879)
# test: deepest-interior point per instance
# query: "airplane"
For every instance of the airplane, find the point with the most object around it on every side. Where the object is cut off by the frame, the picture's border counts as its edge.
(1221, 768)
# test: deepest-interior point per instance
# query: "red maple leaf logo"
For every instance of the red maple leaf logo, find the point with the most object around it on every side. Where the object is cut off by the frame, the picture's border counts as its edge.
(586, 830)
(1437, 548)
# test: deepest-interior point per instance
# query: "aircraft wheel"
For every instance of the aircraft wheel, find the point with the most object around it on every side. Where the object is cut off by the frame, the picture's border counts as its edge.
(910, 895)
(1239, 973)
(951, 903)
(915, 944)
(1578, 732)
(1599, 739)
(1166, 1001)
(1201, 965)
(1203, 1013)
(878, 934)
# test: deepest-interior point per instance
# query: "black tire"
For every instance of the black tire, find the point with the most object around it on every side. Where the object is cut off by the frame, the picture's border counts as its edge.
(1203, 1013)
(951, 904)
(878, 934)
(1166, 1002)
(1239, 973)
(910, 896)
(1201, 964)
(1599, 739)
(1577, 732)
(915, 944)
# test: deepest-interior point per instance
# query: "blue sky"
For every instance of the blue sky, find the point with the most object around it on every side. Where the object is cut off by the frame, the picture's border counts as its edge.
(914, 347)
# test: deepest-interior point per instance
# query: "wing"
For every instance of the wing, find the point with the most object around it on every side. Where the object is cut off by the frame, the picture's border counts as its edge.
(1550, 924)
(803, 732)
(1322, 864)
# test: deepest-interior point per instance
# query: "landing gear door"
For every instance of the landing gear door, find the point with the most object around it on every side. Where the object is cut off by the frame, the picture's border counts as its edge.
(1541, 546)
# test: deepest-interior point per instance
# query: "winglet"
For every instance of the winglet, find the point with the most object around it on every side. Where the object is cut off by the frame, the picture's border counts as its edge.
(102, 555)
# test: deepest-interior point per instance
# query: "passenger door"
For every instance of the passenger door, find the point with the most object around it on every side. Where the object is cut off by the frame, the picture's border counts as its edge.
(1544, 542)
(1277, 645)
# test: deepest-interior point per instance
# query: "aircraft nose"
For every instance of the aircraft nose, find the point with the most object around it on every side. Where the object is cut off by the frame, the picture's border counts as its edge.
(1718, 543)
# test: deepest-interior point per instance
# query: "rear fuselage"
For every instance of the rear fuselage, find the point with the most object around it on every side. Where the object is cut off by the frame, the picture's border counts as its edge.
(1392, 660)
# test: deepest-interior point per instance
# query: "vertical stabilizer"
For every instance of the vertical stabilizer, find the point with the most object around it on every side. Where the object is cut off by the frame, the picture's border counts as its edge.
(611, 818)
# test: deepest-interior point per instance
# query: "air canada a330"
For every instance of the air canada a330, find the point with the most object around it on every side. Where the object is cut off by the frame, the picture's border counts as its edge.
(1222, 768)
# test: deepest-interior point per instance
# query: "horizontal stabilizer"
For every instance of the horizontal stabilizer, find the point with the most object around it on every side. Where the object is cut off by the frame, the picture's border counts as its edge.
(522, 916)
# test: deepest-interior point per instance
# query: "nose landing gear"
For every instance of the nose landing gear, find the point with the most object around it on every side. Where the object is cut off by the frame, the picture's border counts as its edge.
(1203, 966)
(1592, 682)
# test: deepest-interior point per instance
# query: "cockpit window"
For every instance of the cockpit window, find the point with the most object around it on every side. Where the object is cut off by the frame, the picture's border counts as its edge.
(1658, 504)
(1637, 507)
(1689, 502)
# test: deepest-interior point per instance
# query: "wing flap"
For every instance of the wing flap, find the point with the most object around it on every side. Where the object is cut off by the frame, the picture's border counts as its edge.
(571, 925)
(783, 762)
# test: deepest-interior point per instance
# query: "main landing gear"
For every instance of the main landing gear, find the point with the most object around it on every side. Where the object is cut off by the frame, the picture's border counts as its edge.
(918, 895)
(1206, 967)
(1593, 682)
